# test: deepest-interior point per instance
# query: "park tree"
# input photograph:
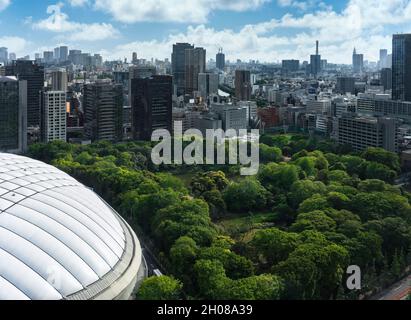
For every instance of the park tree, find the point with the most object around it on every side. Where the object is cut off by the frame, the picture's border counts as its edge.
(276, 177)
(308, 165)
(315, 220)
(183, 255)
(375, 170)
(270, 154)
(304, 189)
(246, 195)
(274, 245)
(211, 279)
(381, 156)
(262, 287)
(316, 202)
(160, 288)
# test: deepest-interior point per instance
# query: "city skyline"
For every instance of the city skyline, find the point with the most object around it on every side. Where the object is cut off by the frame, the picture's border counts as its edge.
(264, 30)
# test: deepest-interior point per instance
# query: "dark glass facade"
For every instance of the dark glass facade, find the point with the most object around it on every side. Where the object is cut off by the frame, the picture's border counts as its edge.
(401, 67)
(9, 114)
(151, 101)
(103, 109)
(34, 75)
(178, 60)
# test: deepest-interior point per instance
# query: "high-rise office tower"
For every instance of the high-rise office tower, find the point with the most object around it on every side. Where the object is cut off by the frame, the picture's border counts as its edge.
(53, 107)
(4, 55)
(58, 79)
(290, 66)
(386, 78)
(48, 56)
(220, 59)
(140, 72)
(194, 65)
(63, 53)
(103, 108)
(345, 85)
(13, 114)
(34, 75)
(57, 54)
(178, 67)
(151, 106)
(135, 58)
(401, 71)
(243, 85)
(75, 56)
(315, 61)
(383, 58)
(208, 84)
(12, 56)
(357, 62)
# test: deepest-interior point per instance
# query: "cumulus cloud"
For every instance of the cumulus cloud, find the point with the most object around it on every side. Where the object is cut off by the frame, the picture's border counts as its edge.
(4, 4)
(365, 24)
(17, 45)
(183, 11)
(59, 22)
(78, 3)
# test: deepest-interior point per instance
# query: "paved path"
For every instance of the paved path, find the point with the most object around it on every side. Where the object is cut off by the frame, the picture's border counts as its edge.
(399, 291)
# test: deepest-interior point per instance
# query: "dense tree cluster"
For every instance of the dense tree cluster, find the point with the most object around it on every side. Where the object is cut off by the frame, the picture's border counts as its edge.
(333, 208)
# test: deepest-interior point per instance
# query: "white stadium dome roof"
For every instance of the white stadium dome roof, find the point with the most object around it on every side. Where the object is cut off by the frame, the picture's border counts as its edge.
(58, 239)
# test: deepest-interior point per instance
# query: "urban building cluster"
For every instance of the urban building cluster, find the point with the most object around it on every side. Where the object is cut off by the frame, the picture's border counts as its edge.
(73, 96)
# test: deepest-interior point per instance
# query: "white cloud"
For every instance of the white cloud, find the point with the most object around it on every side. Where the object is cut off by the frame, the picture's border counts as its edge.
(188, 11)
(59, 22)
(17, 45)
(365, 24)
(4, 4)
(78, 3)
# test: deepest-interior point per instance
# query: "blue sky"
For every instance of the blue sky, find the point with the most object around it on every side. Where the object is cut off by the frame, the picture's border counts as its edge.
(267, 30)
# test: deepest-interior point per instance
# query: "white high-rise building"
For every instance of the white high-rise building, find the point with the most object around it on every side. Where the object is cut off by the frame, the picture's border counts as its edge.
(59, 79)
(54, 116)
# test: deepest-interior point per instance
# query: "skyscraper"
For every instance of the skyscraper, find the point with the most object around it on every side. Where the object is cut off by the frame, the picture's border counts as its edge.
(12, 56)
(315, 61)
(401, 71)
(135, 58)
(34, 75)
(386, 78)
(103, 108)
(4, 55)
(220, 59)
(48, 56)
(59, 79)
(357, 62)
(13, 114)
(140, 72)
(194, 65)
(63, 54)
(243, 85)
(290, 66)
(383, 58)
(178, 69)
(345, 85)
(53, 106)
(57, 54)
(151, 105)
(207, 84)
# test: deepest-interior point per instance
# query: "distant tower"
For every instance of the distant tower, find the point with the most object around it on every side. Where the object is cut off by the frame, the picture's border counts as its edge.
(135, 58)
(357, 62)
(401, 60)
(220, 59)
(315, 61)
